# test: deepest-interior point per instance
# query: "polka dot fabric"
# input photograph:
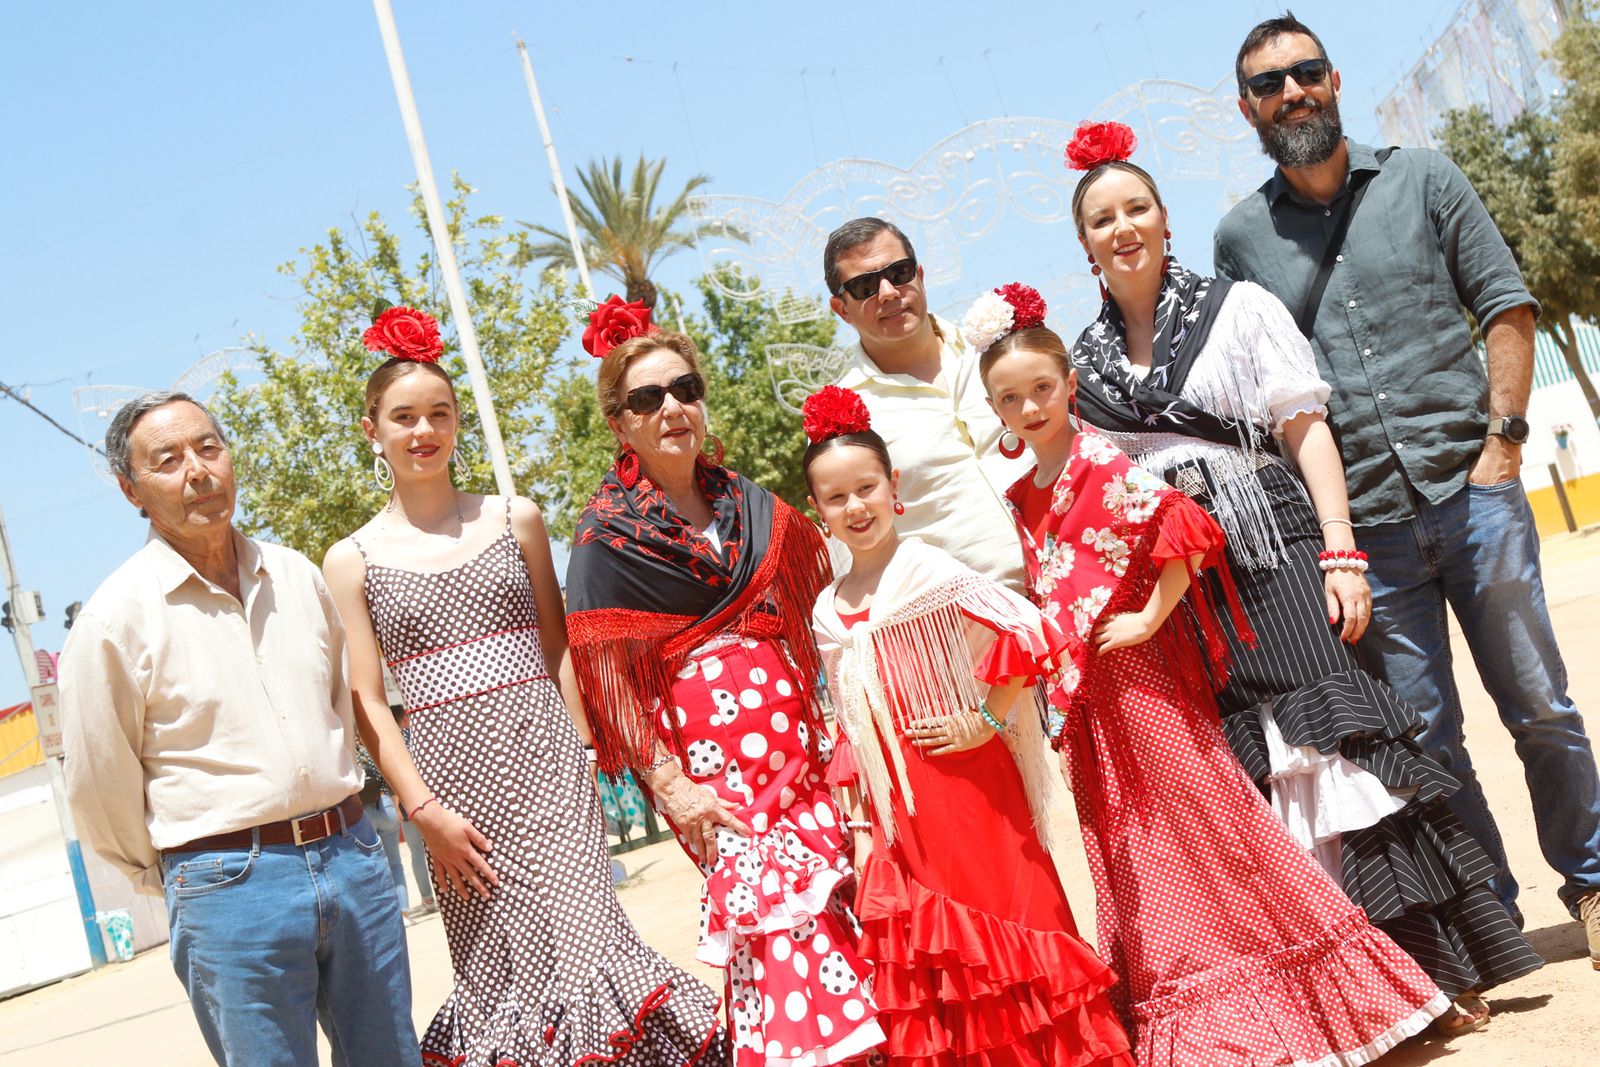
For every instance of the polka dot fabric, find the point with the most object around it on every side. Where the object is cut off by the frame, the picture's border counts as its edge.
(771, 912)
(1234, 947)
(548, 970)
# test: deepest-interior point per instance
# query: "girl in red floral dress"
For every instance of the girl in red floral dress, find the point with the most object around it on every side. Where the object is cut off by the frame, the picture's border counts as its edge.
(976, 958)
(1234, 947)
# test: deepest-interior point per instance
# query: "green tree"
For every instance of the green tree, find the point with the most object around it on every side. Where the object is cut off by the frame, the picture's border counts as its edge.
(624, 233)
(1513, 168)
(304, 467)
(762, 438)
(1577, 111)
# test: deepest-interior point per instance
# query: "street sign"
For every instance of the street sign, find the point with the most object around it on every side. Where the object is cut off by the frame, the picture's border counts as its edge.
(46, 662)
(47, 713)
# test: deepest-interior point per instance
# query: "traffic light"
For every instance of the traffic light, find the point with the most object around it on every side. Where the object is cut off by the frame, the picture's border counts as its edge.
(72, 613)
(6, 620)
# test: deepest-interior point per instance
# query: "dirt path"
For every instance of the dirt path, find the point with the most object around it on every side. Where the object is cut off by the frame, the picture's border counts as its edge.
(135, 1013)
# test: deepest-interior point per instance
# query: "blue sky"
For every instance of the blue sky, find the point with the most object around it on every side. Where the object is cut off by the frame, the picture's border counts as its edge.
(163, 159)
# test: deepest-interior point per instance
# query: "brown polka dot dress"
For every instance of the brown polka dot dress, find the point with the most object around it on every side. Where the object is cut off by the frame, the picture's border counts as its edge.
(548, 970)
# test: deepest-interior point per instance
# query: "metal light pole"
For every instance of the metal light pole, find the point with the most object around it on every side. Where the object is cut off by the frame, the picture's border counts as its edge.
(58, 787)
(439, 227)
(578, 257)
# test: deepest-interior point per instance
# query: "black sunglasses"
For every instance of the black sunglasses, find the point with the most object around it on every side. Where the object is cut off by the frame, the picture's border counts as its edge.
(865, 286)
(1270, 82)
(685, 389)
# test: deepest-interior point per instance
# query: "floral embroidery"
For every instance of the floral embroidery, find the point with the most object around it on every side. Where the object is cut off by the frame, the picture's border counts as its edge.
(1086, 609)
(1062, 496)
(1096, 449)
(1112, 550)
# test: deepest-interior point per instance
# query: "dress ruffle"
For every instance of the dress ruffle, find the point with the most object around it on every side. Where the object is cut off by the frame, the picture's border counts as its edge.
(774, 884)
(958, 986)
(1292, 1006)
(1028, 655)
(597, 1023)
(1422, 878)
(1418, 873)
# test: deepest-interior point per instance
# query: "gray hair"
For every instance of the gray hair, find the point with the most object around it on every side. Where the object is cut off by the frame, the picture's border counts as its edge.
(123, 422)
(853, 234)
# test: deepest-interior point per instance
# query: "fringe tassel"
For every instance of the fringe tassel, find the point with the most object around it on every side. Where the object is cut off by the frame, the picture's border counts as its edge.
(627, 661)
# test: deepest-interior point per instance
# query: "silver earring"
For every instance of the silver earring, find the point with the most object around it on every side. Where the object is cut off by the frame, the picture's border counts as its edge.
(382, 473)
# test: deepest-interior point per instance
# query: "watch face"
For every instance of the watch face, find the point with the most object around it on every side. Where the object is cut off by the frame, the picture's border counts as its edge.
(1515, 429)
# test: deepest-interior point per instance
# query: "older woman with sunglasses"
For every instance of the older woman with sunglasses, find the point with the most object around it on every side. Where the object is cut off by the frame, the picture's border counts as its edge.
(689, 591)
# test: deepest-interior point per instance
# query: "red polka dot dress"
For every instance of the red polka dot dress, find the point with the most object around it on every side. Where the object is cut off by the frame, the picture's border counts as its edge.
(773, 912)
(1233, 946)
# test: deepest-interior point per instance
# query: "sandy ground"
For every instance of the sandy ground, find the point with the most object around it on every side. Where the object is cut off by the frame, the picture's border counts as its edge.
(136, 1014)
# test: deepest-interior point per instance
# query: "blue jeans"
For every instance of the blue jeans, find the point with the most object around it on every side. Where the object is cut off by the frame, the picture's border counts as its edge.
(1479, 553)
(386, 820)
(268, 940)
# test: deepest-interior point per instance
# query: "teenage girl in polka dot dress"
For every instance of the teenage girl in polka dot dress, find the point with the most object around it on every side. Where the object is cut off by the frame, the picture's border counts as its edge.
(1233, 946)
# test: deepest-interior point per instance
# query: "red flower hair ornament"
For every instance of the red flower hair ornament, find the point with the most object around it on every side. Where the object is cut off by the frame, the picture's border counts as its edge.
(834, 412)
(614, 322)
(405, 333)
(993, 315)
(1097, 143)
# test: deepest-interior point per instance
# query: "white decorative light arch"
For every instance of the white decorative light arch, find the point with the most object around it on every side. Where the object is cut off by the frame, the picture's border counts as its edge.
(951, 196)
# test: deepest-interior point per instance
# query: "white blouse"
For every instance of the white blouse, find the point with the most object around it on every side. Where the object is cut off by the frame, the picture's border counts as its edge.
(1256, 364)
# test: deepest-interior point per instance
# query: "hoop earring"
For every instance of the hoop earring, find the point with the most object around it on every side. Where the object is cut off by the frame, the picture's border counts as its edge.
(1011, 451)
(899, 508)
(382, 473)
(716, 453)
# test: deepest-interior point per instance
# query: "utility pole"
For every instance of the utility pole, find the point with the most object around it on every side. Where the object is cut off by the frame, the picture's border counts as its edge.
(23, 617)
(578, 258)
(439, 226)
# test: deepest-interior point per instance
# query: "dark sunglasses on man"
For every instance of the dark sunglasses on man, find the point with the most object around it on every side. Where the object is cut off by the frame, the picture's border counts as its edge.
(1270, 82)
(685, 389)
(865, 286)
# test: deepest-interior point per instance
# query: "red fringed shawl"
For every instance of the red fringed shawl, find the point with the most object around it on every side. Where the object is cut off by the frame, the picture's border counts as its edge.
(1112, 527)
(644, 590)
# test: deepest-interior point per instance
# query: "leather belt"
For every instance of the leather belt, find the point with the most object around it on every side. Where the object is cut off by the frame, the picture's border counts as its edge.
(301, 831)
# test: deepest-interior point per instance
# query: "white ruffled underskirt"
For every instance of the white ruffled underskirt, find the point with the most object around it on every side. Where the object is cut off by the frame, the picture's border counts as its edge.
(1321, 796)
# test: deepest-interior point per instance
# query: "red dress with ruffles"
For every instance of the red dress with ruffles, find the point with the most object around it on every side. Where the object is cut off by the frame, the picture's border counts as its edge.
(976, 958)
(1234, 946)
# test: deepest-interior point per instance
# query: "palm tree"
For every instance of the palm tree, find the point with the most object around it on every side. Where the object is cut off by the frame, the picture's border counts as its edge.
(624, 234)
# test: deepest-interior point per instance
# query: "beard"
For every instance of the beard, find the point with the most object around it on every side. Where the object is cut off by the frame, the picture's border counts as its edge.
(1307, 143)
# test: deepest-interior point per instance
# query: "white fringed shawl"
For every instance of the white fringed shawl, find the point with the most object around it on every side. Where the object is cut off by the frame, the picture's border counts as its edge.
(931, 622)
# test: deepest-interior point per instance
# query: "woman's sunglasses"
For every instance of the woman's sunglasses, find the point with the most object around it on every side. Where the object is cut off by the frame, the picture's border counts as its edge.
(865, 286)
(1270, 82)
(647, 399)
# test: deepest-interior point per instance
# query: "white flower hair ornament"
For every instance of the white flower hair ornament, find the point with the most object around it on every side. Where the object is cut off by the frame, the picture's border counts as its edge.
(995, 314)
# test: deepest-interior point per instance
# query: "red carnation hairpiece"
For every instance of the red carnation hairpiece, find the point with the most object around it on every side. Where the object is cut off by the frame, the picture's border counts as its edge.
(405, 333)
(834, 412)
(1027, 306)
(1097, 143)
(614, 322)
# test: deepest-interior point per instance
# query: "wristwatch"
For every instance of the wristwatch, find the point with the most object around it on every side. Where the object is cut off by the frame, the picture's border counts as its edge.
(1513, 428)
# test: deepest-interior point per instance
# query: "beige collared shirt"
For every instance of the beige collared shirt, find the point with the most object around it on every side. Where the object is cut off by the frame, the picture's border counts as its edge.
(186, 713)
(944, 439)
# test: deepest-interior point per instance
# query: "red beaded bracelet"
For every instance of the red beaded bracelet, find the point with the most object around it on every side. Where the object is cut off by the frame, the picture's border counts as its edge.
(1342, 559)
(419, 807)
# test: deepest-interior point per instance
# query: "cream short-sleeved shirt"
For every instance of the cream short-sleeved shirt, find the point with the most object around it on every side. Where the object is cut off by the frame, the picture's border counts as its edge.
(944, 438)
(186, 713)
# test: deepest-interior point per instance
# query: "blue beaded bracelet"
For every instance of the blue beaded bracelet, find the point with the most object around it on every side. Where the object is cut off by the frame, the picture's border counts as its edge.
(988, 717)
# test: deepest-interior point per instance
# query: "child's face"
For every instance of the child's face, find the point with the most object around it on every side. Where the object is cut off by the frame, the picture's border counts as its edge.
(1029, 394)
(855, 496)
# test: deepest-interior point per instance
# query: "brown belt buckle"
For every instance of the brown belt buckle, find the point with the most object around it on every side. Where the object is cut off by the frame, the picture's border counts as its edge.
(299, 839)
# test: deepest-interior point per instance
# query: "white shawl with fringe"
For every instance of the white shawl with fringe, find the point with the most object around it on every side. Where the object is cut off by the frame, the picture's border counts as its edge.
(931, 622)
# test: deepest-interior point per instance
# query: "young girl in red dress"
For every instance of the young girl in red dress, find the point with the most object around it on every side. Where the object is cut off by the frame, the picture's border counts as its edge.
(975, 955)
(1233, 946)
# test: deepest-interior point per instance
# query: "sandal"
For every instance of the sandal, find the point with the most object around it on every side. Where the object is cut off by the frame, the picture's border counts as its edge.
(1472, 1003)
(1455, 1022)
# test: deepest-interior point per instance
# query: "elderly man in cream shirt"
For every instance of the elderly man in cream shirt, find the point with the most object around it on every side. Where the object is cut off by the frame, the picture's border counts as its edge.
(926, 399)
(209, 738)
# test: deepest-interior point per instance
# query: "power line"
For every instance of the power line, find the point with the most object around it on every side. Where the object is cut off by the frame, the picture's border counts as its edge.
(25, 402)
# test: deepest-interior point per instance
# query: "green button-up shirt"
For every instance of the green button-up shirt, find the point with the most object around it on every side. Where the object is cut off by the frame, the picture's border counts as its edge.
(1410, 396)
